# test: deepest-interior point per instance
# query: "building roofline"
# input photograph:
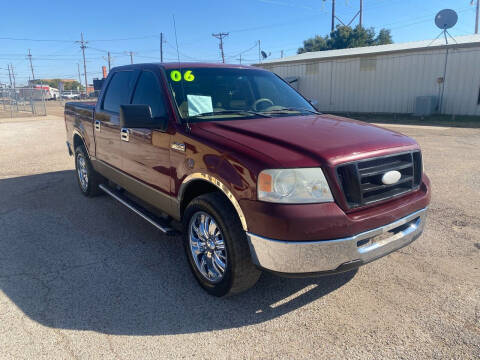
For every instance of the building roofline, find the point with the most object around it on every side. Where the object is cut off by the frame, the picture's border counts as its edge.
(369, 51)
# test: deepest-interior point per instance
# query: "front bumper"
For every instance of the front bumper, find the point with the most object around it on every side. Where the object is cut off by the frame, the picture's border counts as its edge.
(330, 256)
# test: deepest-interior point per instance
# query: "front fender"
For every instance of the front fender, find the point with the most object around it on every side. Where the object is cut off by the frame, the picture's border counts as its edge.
(220, 185)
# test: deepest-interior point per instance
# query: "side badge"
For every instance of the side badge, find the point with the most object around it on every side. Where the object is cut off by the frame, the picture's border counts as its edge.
(178, 146)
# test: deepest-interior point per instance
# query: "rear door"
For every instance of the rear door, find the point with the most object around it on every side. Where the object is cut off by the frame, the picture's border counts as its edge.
(107, 123)
(146, 154)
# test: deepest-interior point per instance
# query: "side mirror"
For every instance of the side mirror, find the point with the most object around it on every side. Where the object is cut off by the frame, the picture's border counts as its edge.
(140, 116)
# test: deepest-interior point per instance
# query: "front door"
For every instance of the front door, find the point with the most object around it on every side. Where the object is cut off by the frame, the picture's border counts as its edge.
(107, 123)
(146, 153)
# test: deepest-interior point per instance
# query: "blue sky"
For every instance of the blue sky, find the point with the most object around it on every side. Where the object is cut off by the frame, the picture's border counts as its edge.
(120, 27)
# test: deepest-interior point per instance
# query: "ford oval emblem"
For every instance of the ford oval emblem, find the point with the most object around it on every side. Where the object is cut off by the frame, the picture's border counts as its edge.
(391, 177)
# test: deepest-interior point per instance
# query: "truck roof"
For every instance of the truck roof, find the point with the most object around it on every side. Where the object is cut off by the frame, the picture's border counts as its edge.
(175, 65)
(190, 65)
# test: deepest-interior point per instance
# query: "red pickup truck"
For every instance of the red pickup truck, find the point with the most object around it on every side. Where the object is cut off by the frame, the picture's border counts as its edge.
(255, 175)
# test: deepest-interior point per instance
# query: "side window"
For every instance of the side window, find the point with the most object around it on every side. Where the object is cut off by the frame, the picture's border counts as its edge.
(149, 92)
(118, 91)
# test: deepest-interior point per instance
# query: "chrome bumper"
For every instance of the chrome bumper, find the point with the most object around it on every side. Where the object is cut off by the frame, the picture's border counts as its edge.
(300, 257)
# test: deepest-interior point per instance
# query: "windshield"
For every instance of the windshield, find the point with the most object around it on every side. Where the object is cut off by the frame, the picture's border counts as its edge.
(211, 94)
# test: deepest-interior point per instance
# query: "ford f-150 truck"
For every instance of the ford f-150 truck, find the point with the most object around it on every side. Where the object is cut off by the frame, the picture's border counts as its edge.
(256, 177)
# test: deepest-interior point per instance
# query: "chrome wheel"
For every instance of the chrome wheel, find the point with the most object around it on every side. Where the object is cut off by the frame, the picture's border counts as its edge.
(82, 171)
(207, 246)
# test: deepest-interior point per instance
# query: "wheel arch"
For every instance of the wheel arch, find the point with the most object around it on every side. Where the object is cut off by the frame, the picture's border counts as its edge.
(201, 183)
(79, 140)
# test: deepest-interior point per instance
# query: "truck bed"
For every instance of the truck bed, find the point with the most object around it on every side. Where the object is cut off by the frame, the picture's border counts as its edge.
(81, 104)
(79, 118)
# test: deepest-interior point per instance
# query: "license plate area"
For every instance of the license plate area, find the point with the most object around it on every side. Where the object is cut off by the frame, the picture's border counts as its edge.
(387, 236)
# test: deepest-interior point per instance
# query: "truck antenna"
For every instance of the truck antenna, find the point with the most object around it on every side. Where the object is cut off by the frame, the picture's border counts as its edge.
(180, 68)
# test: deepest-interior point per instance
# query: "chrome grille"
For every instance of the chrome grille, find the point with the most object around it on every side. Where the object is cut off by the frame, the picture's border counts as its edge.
(362, 184)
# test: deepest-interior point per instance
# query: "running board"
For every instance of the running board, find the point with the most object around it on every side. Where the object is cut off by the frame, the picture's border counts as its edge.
(152, 219)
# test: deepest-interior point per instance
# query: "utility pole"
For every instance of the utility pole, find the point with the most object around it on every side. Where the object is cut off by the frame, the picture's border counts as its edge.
(359, 14)
(281, 54)
(9, 75)
(108, 59)
(240, 59)
(83, 46)
(13, 76)
(161, 47)
(333, 15)
(31, 65)
(220, 37)
(477, 16)
(360, 21)
(131, 56)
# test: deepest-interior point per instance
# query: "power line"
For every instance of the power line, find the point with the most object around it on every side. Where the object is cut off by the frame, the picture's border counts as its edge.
(220, 37)
(42, 40)
(126, 39)
(182, 54)
(243, 51)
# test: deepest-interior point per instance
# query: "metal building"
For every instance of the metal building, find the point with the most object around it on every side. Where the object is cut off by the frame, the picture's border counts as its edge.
(395, 78)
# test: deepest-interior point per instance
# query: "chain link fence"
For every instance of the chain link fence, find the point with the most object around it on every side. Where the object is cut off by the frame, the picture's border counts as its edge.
(18, 102)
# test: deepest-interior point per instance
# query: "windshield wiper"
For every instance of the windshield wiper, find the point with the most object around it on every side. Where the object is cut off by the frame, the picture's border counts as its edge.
(284, 109)
(226, 112)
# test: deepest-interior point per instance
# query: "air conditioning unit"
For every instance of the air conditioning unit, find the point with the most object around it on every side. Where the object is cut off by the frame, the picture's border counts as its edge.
(425, 105)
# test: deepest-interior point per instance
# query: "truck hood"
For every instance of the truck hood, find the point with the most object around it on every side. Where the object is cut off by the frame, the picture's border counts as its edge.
(302, 141)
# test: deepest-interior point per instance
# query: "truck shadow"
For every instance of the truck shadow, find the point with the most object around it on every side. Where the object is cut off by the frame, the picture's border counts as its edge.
(70, 262)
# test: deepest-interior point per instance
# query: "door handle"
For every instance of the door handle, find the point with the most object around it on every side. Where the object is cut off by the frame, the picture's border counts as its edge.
(97, 125)
(125, 134)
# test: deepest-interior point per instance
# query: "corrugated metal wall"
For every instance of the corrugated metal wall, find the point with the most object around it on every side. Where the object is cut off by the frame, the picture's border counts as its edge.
(390, 83)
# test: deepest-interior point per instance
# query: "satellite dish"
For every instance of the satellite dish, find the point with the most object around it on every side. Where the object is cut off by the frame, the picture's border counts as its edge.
(446, 19)
(264, 54)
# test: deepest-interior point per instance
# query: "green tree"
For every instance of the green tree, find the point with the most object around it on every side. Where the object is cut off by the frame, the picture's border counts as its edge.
(384, 37)
(344, 37)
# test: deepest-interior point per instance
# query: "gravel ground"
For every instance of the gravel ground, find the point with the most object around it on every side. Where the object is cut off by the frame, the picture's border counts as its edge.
(84, 278)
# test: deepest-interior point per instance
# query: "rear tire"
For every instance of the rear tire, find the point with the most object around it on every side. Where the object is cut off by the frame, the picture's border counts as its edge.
(223, 243)
(88, 179)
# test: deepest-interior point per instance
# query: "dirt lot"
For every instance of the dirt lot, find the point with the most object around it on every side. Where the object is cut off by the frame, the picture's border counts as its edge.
(84, 278)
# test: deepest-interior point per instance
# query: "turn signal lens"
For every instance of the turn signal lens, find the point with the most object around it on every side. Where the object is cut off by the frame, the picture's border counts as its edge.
(265, 182)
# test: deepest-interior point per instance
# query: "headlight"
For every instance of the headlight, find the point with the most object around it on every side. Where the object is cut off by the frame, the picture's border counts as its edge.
(297, 186)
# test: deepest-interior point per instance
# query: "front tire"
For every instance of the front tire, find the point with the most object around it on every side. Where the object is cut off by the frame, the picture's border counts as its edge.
(216, 246)
(88, 178)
